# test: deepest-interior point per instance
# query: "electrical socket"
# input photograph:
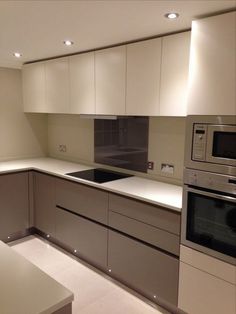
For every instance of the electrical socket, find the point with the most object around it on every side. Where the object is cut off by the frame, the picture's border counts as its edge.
(150, 165)
(62, 148)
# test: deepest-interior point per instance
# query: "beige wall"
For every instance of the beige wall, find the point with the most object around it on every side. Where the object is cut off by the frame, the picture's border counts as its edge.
(166, 145)
(76, 133)
(166, 142)
(21, 135)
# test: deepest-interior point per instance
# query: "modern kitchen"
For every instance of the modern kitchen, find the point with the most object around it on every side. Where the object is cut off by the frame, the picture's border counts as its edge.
(118, 157)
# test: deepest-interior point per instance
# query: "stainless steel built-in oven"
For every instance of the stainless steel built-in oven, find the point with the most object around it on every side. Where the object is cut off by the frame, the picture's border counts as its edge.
(209, 215)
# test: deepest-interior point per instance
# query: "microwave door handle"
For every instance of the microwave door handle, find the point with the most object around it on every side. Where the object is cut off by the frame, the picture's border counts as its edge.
(214, 195)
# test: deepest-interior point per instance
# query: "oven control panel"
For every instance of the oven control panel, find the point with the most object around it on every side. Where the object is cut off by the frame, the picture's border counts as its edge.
(211, 181)
(199, 142)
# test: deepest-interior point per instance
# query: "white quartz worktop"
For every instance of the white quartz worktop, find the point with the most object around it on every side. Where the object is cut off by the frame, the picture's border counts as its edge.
(25, 289)
(158, 193)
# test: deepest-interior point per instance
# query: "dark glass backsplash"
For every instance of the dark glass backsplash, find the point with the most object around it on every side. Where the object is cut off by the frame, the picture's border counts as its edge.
(122, 143)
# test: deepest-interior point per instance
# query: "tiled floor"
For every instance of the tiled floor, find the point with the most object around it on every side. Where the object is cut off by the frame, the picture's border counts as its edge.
(93, 293)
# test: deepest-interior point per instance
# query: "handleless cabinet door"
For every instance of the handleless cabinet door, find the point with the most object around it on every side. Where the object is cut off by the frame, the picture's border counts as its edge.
(33, 76)
(14, 204)
(82, 83)
(143, 77)
(84, 237)
(213, 66)
(44, 203)
(110, 73)
(57, 85)
(174, 74)
(202, 293)
(149, 271)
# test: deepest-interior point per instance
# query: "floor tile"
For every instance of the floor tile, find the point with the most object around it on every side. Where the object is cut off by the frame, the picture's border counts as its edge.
(93, 292)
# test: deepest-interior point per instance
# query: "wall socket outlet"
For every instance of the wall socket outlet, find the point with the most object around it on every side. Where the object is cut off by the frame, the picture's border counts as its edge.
(150, 165)
(62, 148)
(167, 168)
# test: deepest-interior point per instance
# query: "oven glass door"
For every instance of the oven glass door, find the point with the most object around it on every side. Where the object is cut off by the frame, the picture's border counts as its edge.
(221, 145)
(211, 221)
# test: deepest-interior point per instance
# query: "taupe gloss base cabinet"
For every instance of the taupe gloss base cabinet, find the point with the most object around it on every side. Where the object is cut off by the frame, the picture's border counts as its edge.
(14, 204)
(83, 200)
(85, 238)
(44, 203)
(111, 232)
(151, 272)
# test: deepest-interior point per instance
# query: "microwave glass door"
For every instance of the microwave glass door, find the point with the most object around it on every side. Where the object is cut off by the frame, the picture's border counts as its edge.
(221, 145)
(211, 222)
(224, 144)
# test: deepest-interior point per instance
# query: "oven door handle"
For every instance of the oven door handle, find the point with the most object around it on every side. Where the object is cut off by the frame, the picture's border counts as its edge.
(211, 194)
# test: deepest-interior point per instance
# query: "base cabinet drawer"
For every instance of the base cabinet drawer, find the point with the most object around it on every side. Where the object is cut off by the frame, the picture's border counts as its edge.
(203, 293)
(14, 204)
(153, 215)
(143, 268)
(157, 237)
(81, 199)
(86, 237)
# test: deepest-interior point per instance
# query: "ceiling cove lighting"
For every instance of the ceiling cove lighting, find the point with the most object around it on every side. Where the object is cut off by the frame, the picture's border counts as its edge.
(68, 42)
(171, 15)
(17, 54)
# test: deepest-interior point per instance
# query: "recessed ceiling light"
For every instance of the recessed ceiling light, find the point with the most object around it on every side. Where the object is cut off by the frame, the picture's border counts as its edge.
(171, 15)
(17, 54)
(68, 42)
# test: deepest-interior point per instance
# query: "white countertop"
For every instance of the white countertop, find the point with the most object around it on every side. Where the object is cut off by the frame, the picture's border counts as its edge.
(25, 289)
(154, 192)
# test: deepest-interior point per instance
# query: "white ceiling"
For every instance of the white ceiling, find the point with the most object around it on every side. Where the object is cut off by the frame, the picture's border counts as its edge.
(37, 28)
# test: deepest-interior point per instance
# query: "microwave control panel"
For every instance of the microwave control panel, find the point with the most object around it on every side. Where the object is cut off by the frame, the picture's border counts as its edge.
(199, 142)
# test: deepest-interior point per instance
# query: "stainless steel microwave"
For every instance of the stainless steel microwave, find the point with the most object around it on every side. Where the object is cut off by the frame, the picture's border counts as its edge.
(211, 144)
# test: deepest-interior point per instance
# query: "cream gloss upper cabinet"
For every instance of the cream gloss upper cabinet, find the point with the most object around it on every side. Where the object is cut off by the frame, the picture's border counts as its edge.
(174, 74)
(57, 85)
(33, 76)
(212, 84)
(110, 80)
(143, 77)
(82, 83)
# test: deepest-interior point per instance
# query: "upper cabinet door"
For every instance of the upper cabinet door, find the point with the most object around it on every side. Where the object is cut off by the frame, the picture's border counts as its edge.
(33, 76)
(174, 74)
(213, 66)
(110, 82)
(143, 78)
(82, 83)
(57, 85)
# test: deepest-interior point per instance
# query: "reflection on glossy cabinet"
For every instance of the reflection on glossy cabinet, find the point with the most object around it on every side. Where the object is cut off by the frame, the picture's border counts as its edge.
(110, 72)
(33, 76)
(57, 85)
(213, 66)
(82, 83)
(143, 77)
(174, 74)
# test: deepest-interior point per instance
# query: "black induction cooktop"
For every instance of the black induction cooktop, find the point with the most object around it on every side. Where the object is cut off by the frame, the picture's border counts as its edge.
(99, 175)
